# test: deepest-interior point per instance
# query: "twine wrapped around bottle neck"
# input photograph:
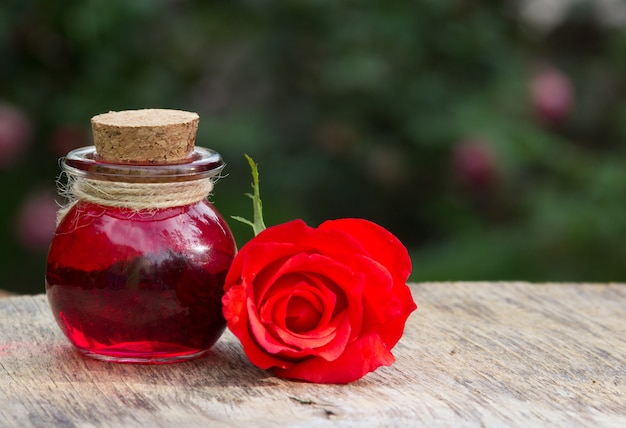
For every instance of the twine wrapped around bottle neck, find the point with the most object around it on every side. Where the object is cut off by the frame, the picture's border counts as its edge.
(133, 196)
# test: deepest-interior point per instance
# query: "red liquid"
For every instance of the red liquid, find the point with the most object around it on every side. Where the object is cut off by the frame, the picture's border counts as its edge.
(140, 287)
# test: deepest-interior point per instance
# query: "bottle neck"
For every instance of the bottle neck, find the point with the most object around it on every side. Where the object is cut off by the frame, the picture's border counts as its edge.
(137, 187)
(84, 162)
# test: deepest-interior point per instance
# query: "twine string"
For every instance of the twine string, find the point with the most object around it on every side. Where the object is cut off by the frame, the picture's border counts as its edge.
(134, 196)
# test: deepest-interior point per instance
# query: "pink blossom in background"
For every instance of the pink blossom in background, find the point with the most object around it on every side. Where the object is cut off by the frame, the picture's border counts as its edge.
(474, 164)
(552, 96)
(36, 221)
(15, 133)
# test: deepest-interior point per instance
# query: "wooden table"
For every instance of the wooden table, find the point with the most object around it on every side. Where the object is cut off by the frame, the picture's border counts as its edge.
(474, 354)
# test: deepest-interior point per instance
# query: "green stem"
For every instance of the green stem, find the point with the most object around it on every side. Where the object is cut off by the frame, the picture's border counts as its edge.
(257, 224)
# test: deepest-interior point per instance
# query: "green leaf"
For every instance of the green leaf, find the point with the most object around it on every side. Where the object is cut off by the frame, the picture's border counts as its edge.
(257, 224)
(243, 220)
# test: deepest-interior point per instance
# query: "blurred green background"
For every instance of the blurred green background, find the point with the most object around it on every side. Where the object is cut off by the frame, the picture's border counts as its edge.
(489, 136)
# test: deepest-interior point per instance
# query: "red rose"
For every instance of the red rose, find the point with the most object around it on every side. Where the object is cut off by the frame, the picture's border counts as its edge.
(323, 304)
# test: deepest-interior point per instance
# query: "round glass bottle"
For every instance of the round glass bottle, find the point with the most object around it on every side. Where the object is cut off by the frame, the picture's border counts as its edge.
(136, 268)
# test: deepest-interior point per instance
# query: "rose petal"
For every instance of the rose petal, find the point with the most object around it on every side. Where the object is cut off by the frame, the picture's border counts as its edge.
(378, 285)
(234, 300)
(324, 290)
(299, 309)
(321, 270)
(324, 340)
(333, 299)
(403, 305)
(273, 315)
(389, 252)
(233, 304)
(343, 280)
(254, 260)
(261, 335)
(333, 242)
(331, 350)
(379, 243)
(303, 313)
(359, 358)
(386, 304)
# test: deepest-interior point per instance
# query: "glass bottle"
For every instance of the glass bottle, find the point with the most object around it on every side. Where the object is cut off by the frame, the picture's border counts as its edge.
(140, 280)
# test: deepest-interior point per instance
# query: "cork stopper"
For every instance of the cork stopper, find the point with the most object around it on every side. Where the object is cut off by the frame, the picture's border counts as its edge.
(145, 136)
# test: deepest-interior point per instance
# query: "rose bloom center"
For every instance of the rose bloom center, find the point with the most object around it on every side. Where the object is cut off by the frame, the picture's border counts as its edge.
(302, 315)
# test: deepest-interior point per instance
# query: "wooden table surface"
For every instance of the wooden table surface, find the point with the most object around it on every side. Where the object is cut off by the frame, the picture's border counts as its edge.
(473, 354)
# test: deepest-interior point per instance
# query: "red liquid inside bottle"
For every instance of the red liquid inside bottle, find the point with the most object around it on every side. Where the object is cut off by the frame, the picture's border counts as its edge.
(140, 286)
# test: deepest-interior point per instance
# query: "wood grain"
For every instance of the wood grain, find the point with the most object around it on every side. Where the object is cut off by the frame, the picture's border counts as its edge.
(474, 354)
